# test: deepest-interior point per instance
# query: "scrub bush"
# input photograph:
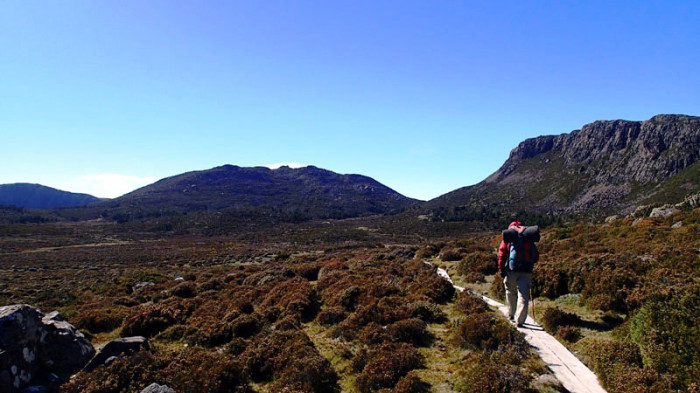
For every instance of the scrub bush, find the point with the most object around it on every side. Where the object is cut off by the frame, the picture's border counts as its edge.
(482, 374)
(552, 318)
(386, 365)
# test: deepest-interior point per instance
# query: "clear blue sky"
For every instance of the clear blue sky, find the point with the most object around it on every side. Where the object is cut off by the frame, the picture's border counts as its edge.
(426, 97)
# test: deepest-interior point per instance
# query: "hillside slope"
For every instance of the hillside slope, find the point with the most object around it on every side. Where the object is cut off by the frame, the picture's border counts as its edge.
(605, 167)
(297, 194)
(36, 196)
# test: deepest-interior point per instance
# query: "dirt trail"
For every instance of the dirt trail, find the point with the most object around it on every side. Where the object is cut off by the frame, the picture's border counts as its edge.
(573, 374)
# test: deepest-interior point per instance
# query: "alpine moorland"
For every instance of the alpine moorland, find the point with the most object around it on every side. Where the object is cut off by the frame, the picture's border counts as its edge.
(303, 280)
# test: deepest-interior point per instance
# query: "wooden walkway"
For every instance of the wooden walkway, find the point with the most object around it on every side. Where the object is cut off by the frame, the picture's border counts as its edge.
(573, 374)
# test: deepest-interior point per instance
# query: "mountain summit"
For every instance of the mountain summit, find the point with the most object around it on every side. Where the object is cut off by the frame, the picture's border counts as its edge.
(300, 193)
(606, 166)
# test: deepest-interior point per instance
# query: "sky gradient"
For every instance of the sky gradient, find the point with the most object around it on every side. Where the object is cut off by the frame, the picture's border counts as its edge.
(426, 97)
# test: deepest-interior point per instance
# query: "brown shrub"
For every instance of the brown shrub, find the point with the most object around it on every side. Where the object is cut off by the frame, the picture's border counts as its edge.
(569, 333)
(430, 285)
(428, 251)
(452, 254)
(552, 318)
(469, 304)
(154, 318)
(411, 383)
(498, 289)
(412, 331)
(102, 320)
(332, 316)
(308, 271)
(386, 365)
(373, 334)
(196, 370)
(295, 297)
(192, 370)
(427, 311)
(619, 365)
(484, 375)
(487, 331)
(185, 290)
(478, 264)
(291, 361)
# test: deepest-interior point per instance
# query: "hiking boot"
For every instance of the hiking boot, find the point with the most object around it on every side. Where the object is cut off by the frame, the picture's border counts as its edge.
(511, 318)
(520, 325)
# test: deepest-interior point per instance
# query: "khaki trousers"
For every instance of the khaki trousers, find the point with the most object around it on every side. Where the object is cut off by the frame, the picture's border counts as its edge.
(518, 293)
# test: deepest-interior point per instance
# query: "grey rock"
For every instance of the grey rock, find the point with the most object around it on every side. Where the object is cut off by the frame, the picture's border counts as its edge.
(35, 347)
(115, 348)
(155, 388)
(677, 225)
(663, 211)
(53, 316)
(142, 284)
(548, 383)
(636, 222)
(611, 219)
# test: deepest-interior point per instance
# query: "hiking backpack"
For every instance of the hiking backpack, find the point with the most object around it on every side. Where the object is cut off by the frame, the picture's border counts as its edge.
(522, 250)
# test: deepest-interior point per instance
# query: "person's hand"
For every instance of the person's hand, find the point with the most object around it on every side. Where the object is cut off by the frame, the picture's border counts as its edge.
(504, 273)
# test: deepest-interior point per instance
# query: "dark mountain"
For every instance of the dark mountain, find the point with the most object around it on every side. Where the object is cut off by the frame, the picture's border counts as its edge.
(36, 196)
(286, 194)
(605, 167)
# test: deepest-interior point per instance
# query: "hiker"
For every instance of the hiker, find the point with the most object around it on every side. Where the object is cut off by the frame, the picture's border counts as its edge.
(515, 262)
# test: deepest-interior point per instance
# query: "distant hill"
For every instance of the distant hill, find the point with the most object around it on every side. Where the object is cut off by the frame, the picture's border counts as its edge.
(281, 194)
(36, 196)
(606, 167)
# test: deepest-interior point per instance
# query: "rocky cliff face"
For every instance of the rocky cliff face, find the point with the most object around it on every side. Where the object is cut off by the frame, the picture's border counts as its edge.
(620, 150)
(604, 166)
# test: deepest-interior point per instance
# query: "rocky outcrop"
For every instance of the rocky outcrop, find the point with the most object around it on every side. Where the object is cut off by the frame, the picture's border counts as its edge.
(605, 167)
(37, 349)
(116, 348)
(155, 388)
(640, 151)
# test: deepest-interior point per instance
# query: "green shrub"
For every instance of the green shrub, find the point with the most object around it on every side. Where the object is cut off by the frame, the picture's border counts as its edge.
(552, 318)
(569, 333)
(667, 330)
(478, 264)
(427, 311)
(498, 289)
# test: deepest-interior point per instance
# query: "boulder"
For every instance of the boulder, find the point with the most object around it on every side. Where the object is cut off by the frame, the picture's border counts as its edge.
(142, 284)
(663, 211)
(155, 388)
(38, 349)
(677, 225)
(611, 219)
(115, 348)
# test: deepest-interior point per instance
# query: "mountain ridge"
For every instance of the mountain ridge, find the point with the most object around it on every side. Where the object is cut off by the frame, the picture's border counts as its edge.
(305, 193)
(37, 196)
(605, 166)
